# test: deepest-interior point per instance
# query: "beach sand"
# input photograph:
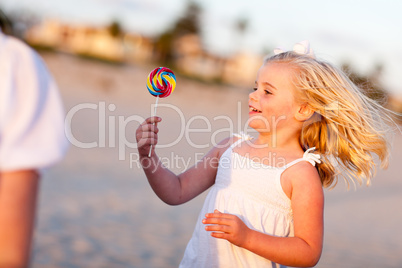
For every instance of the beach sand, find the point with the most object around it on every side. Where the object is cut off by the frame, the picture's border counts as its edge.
(96, 208)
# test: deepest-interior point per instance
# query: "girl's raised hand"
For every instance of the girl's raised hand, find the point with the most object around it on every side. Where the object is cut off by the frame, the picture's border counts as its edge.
(227, 226)
(147, 135)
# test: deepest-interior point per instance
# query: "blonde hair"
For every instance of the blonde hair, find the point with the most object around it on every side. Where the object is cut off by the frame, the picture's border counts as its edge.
(347, 127)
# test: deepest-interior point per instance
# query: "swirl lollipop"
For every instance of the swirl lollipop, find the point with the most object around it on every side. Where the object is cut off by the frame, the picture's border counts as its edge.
(161, 83)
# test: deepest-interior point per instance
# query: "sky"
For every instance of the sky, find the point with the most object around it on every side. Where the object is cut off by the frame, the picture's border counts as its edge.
(362, 33)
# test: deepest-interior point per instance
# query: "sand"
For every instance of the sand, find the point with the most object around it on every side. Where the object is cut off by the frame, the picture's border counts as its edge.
(96, 208)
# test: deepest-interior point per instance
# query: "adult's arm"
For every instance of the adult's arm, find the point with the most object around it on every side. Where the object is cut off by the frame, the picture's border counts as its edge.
(18, 196)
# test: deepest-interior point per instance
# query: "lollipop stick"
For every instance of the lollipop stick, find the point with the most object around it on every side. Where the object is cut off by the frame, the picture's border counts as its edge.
(156, 106)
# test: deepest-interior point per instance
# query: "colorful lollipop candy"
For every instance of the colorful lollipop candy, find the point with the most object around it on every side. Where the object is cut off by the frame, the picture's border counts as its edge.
(161, 83)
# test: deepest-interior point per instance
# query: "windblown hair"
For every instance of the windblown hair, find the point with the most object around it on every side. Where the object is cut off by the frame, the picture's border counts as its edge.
(347, 128)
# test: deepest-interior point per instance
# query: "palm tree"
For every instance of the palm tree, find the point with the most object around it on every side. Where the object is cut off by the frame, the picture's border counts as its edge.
(188, 23)
(241, 26)
(370, 84)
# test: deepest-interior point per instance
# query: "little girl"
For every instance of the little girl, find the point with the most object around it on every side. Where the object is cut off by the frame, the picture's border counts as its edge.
(265, 207)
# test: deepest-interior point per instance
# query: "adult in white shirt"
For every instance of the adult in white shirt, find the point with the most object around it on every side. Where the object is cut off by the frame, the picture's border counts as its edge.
(31, 139)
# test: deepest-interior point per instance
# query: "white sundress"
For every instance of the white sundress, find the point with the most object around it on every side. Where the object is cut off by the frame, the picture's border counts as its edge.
(253, 192)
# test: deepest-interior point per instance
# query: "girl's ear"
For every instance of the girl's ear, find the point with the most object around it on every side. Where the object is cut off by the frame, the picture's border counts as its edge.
(304, 113)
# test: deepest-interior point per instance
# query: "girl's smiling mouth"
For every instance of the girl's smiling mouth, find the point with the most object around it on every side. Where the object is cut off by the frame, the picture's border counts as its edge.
(254, 110)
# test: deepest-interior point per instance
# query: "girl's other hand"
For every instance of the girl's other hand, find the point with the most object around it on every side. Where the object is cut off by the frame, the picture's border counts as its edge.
(227, 226)
(147, 135)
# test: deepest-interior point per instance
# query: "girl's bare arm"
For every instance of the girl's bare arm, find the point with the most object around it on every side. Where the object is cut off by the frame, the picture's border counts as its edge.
(302, 250)
(171, 188)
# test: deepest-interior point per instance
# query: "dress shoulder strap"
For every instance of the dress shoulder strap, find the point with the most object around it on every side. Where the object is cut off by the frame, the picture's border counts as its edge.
(307, 156)
(242, 137)
(236, 143)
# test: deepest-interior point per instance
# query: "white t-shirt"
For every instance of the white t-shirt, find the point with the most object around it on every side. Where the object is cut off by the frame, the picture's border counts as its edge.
(31, 113)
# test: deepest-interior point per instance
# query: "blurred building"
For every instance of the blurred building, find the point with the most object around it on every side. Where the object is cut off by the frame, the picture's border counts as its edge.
(242, 69)
(193, 60)
(137, 48)
(90, 41)
(190, 58)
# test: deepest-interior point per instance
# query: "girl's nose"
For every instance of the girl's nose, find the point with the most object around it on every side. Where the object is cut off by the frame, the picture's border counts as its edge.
(253, 95)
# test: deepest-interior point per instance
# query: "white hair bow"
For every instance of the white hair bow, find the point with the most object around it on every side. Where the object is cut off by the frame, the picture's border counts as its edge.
(302, 47)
